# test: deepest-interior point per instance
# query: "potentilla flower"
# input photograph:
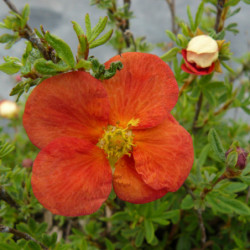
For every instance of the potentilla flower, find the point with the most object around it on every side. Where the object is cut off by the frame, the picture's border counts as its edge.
(94, 134)
(200, 56)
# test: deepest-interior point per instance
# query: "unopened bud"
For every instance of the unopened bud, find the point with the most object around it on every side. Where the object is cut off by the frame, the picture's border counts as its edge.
(8, 109)
(236, 158)
(202, 50)
(27, 163)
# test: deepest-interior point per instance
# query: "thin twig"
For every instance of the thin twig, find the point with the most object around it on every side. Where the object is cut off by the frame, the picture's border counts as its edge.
(29, 35)
(197, 112)
(171, 4)
(7, 198)
(5, 229)
(220, 6)
(199, 213)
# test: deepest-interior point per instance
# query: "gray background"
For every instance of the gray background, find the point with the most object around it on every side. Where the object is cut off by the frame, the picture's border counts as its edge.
(152, 18)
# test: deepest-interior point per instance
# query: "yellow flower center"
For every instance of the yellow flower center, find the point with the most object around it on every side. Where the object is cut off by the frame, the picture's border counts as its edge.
(117, 142)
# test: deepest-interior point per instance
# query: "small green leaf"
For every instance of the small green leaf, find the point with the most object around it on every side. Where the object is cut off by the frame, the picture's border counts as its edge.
(199, 14)
(32, 245)
(139, 238)
(173, 215)
(6, 38)
(226, 204)
(216, 144)
(88, 26)
(109, 244)
(25, 15)
(187, 202)
(231, 3)
(84, 64)
(171, 35)
(149, 230)
(10, 68)
(78, 29)
(63, 50)
(101, 40)
(45, 67)
(190, 18)
(160, 221)
(98, 29)
(232, 159)
(210, 97)
(170, 54)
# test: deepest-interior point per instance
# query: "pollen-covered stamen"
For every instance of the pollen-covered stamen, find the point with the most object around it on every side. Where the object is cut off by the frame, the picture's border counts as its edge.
(117, 142)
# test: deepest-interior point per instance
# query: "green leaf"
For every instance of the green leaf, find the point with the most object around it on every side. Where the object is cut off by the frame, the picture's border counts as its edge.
(232, 187)
(170, 54)
(210, 97)
(101, 40)
(83, 64)
(98, 29)
(77, 28)
(160, 221)
(109, 245)
(227, 205)
(216, 145)
(149, 230)
(190, 18)
(5, 148)
(63, 50)
(171, 35)
(25, 15)
(199, 14)
(45, 67)
(139, 238)
(88, 26)
(10, 68)
(203, 155)
(6, 38)
(232, 159)
(33, 246)
(187, 202)
(231, 3)
(173, 215)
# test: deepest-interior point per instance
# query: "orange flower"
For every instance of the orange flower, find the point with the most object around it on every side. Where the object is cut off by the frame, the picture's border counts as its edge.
(87, 129)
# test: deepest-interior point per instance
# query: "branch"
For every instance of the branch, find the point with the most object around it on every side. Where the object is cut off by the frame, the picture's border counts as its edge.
(7, 198)
(171, 4)
(197, 112)
(199, 213)
(21, 235)
(29, 35)
(220, 7)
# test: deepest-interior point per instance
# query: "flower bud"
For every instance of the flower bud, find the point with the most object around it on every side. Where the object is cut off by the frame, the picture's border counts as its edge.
(201, 53)
(241, 158)
(27, 163)
(8, 109)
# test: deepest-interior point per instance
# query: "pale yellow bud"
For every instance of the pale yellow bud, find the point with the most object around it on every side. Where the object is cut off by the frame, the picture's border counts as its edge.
(202, 50)
(8, 109)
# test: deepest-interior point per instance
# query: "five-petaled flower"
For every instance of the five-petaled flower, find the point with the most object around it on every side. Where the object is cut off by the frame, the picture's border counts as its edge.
(200, 55)
(89, 130)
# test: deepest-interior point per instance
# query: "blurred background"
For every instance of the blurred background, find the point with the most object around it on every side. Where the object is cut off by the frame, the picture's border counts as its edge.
(152, 18)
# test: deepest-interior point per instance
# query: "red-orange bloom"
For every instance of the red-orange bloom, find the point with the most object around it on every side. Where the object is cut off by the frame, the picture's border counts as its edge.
(85, 127)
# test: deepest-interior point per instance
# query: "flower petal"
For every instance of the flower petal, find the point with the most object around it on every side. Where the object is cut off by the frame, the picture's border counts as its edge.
(129, 186)
(71, 177)
(191, 67)
(163, 155)
(144, 89)
(72, 104)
